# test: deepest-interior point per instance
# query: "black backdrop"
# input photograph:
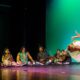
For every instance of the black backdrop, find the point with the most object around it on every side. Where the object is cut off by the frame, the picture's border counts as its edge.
(22, 23)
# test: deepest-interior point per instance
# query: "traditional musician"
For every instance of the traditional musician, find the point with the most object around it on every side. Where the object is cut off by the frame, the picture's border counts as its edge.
(22, 57)
(7, 58)
(57, 57)
(66, 59)
(42, 55)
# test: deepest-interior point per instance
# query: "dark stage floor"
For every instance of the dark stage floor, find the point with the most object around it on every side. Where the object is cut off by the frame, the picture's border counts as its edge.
(53, 72)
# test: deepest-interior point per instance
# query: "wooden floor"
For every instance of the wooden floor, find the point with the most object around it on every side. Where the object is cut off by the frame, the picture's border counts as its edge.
(53, 72)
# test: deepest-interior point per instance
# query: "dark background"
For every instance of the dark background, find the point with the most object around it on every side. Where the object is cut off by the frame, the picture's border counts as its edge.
(22, 24)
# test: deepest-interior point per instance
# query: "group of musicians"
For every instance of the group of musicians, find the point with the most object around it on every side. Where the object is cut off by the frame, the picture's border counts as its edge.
(23, 57)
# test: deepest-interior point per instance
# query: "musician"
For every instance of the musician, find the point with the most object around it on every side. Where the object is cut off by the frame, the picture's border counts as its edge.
(7, 58)
(66, 59)
(57, 57)
(23, 56)
(42, 55)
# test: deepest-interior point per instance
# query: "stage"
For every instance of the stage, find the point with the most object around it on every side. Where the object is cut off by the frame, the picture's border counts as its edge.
(52, 72)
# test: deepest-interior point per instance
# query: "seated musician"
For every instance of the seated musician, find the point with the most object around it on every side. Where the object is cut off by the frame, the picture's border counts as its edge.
(7, 58)
(22, 57)
(57, 57)
(66, 59)
(42, 56)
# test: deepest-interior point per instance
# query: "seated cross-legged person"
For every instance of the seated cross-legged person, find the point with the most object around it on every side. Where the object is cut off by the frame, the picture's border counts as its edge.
(66, 59)
(7, 58)
(42, 56)
(22, 57)
(57, 57)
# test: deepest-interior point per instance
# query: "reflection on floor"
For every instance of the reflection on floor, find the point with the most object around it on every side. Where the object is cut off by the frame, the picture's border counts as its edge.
(53, 72)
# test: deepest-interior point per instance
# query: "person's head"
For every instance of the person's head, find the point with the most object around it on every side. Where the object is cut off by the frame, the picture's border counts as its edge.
(64, 52)
(41, 48)
(6, 51)
(23, 49)
(58, 51)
